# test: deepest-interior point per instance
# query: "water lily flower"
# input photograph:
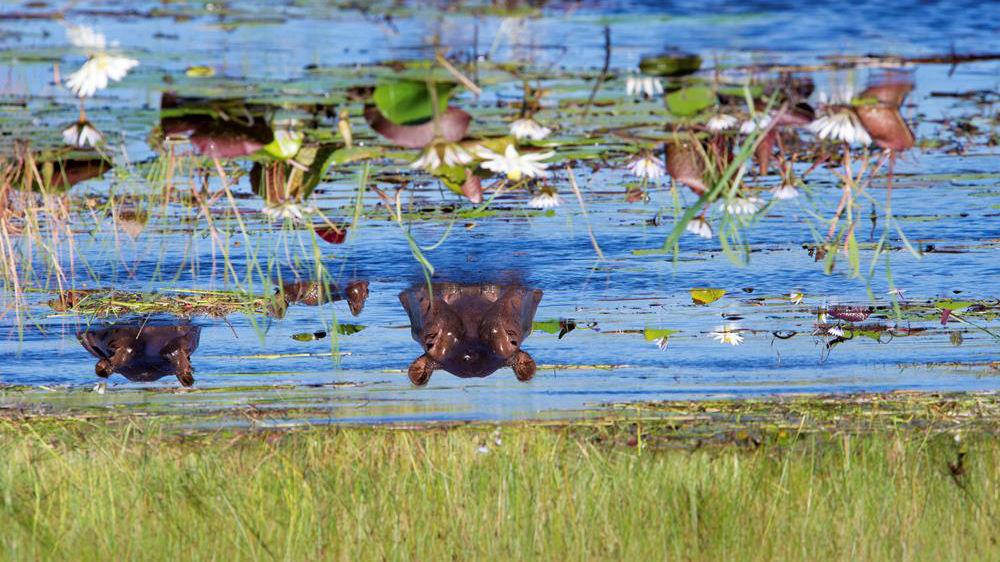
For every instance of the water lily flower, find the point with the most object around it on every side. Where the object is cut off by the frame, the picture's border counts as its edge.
(528, 128)
(82, 134)
(742, 205)
(647, 166)
(101, 65)
(796, 297)
(785, 191)
(721, 122)
(287, 210)
(513, 164)
(483, 449)
(546, 199)
(835, 331)
(700, 227)
(647, 86)
(843, 125)
(661, 343)
(728, 334)
(101, 387)
(448, 153)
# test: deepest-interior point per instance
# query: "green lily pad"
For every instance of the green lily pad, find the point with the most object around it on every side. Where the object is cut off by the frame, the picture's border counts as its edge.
(653, 334)
(703, 295)
(671, 65)
(691, 100)
(409, 102)
(348, 329)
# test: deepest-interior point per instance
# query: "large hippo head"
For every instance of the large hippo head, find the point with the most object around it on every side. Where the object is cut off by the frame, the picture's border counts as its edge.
(470, 330)
(143, 353)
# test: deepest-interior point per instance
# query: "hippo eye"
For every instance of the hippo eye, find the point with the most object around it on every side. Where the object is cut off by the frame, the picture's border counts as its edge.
(429, 340)
(513, 337)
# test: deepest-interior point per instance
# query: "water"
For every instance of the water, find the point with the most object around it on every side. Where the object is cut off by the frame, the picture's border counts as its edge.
(945, 198)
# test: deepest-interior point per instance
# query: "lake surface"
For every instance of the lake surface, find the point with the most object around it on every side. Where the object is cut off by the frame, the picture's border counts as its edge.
(306, 59)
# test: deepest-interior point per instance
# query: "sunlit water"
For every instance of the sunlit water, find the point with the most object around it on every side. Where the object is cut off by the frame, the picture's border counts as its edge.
(946, 200)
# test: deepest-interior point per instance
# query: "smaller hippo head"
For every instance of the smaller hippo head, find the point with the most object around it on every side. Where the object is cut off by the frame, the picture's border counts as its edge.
(356, 294)
(143, 352)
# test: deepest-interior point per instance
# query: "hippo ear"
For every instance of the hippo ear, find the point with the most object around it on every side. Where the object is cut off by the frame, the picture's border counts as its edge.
(103, 368)
(421, 370)
(186, 378)
(523, 365)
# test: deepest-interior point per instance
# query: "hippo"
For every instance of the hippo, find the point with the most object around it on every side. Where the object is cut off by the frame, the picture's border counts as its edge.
(142, 352)
(470, 330)
(312, 293)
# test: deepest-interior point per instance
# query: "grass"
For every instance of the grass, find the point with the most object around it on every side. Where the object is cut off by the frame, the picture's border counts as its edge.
(809, 480)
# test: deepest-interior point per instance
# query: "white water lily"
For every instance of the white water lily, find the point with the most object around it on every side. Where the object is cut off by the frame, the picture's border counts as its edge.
(101, 387)
(700, 227)
(97, 71)
(647, 166)
(755, 123)
(528, 128)
(785, 191)
(546, 199)
(722, 122)
(101, 66)
(512, 164)
(728, 334)
(455, 155)
(287, 210)
(648, 86)
(82, 135)
(429, 160)
(661, 343)
(437, 153)
(796, 297)
(835, 331)
(842, 125)
(742, 206)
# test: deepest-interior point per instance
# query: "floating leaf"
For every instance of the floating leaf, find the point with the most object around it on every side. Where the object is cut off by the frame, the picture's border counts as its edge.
(409, 102)
(309, 336)
(953, 305)
(348, 329)
(653, 334)
(200, 72)
(547, 326)
(672, 64)
(332, 235)
(346, 155)
(706, 296)
(691, 100)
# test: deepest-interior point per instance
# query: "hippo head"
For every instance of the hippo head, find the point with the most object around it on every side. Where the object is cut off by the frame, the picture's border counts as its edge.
(470, 331)
(143, 352)
(356, 294)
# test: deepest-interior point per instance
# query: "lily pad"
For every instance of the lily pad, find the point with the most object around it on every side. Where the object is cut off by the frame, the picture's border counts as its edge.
(671, 64)
(706, 295)
(409, 102)
(691, 100)
(653, 334)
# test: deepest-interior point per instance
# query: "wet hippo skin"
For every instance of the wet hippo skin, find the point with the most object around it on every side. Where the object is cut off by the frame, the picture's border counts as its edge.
(143, 353)
(470, 330)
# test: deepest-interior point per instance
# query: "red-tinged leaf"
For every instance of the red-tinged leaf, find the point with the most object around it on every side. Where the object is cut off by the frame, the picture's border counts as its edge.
(945, 315)
(332, 235)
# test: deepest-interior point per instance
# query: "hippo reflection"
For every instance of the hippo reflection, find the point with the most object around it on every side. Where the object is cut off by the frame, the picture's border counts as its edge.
(312, 293)
(470, 330)
(143, 353)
